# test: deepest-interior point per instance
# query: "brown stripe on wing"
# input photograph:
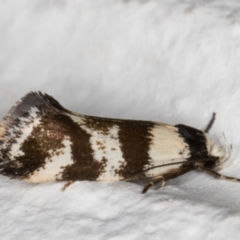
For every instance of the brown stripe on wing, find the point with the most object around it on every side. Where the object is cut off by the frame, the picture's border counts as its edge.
(135, 139)
(84, 166)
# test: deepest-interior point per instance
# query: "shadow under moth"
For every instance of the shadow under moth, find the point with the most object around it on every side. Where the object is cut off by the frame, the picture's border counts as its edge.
(42, 141)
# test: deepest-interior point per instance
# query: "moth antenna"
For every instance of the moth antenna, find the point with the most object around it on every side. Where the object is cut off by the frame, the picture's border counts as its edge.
(141, 174)
(210, 124)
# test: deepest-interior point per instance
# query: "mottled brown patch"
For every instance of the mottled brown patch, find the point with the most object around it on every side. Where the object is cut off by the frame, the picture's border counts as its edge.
(33, 158)
(135, 139)
(44, 142)
(100, 145)
(102, 125)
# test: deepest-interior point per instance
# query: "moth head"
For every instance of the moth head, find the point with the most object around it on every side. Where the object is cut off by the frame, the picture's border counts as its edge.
(221, 153)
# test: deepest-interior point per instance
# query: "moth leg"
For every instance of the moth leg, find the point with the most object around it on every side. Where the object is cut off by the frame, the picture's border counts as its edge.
(134, 177)
(150, 184)
(210, 124)
(167, 176)
(66, 185)
(217, 175)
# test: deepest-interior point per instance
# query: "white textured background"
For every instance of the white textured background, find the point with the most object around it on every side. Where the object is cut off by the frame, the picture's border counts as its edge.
(171, 61)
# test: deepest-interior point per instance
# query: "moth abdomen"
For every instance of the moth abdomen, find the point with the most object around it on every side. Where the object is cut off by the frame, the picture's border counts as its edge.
(42, 141)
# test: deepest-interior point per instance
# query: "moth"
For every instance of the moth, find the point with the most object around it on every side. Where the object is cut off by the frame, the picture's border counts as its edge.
(42, 141)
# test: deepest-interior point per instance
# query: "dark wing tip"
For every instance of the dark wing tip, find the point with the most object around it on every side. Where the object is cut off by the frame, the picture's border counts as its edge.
(42, 101)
